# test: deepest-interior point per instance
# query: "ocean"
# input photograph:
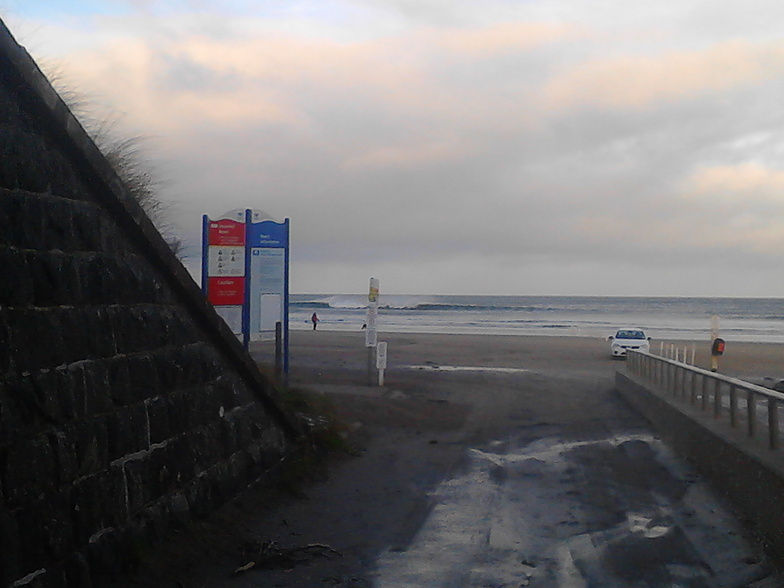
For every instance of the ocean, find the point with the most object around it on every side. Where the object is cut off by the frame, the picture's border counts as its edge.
(683, 319)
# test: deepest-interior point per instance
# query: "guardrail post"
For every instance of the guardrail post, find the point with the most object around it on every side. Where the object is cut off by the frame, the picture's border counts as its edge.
(773, 423)
(684, 378)
(705, 383)
(693, 395)
(751, 412)
(717, 398)
(733, 406)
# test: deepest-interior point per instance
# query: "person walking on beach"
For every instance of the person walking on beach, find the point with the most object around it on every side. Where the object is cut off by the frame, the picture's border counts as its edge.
(315, 320)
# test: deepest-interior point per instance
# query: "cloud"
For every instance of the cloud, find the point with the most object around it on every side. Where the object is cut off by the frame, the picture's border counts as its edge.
(464, 146)
(638, 82)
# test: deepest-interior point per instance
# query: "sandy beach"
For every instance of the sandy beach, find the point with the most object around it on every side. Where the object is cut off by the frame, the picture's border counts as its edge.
(341, 357)
(504, 472)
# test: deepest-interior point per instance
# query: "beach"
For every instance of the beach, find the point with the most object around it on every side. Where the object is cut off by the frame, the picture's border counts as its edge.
(341, 357)
(480, 462)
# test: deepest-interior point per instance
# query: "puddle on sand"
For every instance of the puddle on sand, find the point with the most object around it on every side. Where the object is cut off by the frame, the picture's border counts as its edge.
(465, 368)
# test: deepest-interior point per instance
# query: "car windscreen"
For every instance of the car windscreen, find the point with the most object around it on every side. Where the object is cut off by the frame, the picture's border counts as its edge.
(630, 335)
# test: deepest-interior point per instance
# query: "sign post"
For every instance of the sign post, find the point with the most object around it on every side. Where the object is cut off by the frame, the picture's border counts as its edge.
(371, 334)
(381, 361)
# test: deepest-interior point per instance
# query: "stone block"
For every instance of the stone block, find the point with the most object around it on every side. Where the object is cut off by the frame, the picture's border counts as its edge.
(64, 447)
(98, 501)
(98, 325)
(201, 496)
(19, 290)
(158, 417)
(55, 281)
(229, 441)
(212, 363)
(167, 369)
(229, 389)
(6, 353)
(19, 405)
(35, 338)
(119, 381)
(91, 388)
(46, 396)
(206, 445)
(179, 510)
(77, 571)
(143, 376)
(244, 425)
(140, 484)
(162, 469)
(125, 330)
(29, 470)
(178, 412)
(94, 279)
(77, 334)
(60, 233)
(46, 530)
(63, 383)
(25, 216)
(104, 554)
(86, 226)
(127, 431)
(10, 547)
(176, 463)
(91, 443)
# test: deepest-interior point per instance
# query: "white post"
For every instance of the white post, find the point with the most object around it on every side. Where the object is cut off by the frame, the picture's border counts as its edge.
(381, 361)
(371, 334)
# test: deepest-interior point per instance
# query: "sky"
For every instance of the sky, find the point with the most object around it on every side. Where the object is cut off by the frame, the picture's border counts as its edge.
(545, 147)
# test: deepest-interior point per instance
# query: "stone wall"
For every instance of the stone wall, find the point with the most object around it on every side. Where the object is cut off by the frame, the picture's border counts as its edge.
(126, 405)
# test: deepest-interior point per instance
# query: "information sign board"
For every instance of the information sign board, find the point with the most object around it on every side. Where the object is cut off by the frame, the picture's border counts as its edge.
(245, 273)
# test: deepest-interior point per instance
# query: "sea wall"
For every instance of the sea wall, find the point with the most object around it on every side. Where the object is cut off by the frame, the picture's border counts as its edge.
(127, 407)
(750, 476)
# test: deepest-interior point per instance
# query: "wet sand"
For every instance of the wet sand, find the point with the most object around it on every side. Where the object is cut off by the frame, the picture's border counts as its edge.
(528, 471)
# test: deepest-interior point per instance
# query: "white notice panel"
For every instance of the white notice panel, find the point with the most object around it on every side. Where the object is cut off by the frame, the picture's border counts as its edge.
(381, 355)
(271, 313)
(267, 286)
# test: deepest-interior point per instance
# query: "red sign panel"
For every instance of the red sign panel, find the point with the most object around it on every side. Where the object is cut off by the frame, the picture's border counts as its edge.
(226, 291)
(226, 232)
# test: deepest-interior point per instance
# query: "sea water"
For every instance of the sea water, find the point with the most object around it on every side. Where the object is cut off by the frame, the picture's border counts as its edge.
(687, 319)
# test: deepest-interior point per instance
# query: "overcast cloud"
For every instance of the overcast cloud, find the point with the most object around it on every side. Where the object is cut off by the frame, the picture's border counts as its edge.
(454, 146)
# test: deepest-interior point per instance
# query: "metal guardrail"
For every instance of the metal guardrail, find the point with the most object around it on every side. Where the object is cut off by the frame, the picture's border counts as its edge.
(745, 405)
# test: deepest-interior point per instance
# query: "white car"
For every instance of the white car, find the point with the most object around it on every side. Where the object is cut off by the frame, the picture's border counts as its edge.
(626, 339)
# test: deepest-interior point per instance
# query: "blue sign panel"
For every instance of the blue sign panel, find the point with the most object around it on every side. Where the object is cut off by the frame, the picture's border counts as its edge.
(268, 234)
